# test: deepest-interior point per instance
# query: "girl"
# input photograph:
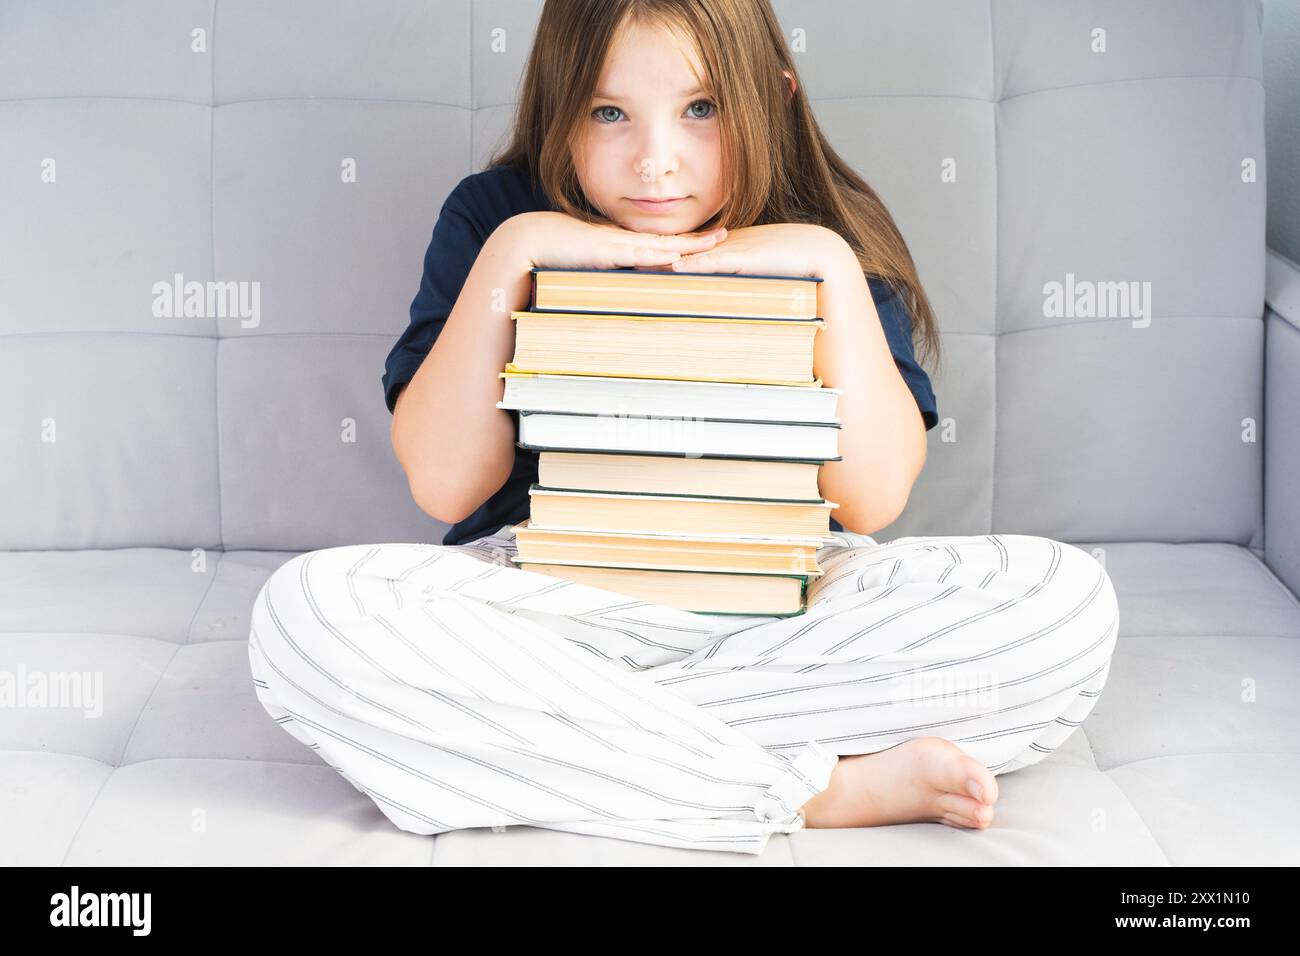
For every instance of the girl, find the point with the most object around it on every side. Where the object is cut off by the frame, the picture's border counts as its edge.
(457, 690)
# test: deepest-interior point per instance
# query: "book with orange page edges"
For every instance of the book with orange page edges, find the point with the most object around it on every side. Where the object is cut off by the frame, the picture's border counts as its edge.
(680, 431)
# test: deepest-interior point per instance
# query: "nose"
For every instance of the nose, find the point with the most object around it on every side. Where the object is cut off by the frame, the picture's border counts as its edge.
(657, 152)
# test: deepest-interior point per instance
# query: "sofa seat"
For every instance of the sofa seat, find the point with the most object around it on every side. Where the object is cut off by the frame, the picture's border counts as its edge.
(1191, 755)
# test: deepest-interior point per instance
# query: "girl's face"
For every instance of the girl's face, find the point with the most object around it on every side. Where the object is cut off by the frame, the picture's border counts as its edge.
(651, 133)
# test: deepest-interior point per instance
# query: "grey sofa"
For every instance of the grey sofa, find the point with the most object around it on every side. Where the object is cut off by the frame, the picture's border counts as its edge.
(157, 463)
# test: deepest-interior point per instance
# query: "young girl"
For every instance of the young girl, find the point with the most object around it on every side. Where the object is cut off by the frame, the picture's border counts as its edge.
(457, 690)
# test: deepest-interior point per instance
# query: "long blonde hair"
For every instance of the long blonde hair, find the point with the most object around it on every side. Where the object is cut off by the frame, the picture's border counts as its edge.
(777, 164)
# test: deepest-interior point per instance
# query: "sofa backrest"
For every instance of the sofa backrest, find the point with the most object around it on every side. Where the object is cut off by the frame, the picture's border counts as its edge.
(291, 156)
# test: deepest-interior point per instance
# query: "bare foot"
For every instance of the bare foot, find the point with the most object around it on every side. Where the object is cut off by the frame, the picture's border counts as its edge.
(925, 779)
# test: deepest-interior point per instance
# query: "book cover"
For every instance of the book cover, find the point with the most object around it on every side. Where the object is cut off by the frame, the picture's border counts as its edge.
(663, 292)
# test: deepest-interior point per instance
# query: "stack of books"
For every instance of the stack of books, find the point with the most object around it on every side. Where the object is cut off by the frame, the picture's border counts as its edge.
(680, 431)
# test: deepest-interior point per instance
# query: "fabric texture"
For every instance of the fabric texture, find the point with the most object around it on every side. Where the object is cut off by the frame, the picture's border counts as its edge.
(479, 203)
(457, 690)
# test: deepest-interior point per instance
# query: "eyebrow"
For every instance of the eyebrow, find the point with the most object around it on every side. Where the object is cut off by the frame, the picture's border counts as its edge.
(609, 96)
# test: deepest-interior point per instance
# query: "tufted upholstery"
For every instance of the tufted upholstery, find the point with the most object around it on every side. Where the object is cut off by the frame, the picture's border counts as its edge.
(156, 469)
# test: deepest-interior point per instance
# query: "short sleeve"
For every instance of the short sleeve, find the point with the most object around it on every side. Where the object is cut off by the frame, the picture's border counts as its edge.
(454, 246)
(897, 323)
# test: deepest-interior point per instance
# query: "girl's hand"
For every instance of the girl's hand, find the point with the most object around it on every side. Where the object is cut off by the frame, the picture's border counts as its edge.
(559, 241)
(785, 248)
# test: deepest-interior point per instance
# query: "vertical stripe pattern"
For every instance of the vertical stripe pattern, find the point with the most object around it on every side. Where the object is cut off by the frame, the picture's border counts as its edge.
(457, 690)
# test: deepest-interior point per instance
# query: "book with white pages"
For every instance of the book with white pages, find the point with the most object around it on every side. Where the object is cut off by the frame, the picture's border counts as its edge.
(595, 394)
(651, 435)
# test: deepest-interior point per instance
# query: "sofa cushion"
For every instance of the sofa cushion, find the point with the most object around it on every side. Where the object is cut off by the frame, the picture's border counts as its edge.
(182, 764)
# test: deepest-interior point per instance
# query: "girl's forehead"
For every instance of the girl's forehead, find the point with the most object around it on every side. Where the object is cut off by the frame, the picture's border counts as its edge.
(650, 48)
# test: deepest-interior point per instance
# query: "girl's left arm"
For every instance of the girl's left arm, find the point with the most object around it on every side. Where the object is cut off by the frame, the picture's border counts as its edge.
(882, 438)
(882, 441)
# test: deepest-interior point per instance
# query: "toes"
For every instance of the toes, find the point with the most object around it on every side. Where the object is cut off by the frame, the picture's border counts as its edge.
(975, 775)
(955, 772)
(959, 805)
(962, 823)
(966, 809)
(989, 783)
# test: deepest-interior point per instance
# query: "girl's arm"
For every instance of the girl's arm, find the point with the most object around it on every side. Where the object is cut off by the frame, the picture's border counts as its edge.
(455, 445)
(882, 441)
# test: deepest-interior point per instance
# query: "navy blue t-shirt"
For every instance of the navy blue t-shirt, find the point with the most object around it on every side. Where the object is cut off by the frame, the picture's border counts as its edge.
(472, 211)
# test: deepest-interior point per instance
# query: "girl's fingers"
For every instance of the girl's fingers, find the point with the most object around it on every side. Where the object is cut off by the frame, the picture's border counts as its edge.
(639, 249)
(686, 245)
(663, 253)
(652, 257)
(691, 244)
(709, 262)
(641, 256)
(712, 238)
(688, 241)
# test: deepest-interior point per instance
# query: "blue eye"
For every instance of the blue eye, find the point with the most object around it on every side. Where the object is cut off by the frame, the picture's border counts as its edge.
(599, 110)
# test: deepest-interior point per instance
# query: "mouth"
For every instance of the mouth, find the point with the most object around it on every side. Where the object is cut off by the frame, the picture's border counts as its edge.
(658, 205)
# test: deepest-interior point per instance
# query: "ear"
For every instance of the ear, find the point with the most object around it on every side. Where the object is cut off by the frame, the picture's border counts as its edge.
(791, 81)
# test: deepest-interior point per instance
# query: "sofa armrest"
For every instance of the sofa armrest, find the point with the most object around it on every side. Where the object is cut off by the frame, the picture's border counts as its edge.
(1282, 420)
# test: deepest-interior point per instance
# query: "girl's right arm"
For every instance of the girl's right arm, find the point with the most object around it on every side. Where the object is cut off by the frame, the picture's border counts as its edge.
(456, 447)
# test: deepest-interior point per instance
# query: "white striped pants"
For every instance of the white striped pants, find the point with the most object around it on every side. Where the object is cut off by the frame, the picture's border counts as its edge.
(457, 690)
